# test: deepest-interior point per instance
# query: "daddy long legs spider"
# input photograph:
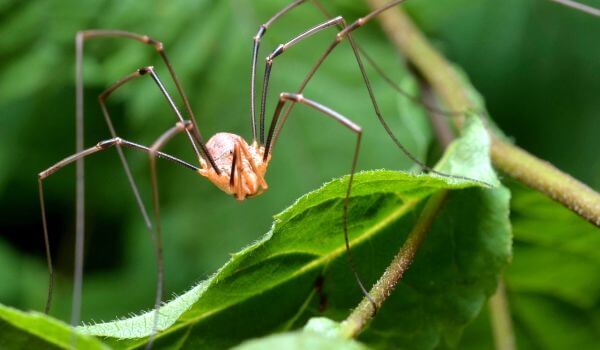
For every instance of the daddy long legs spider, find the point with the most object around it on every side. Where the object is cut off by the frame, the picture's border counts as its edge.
(231, 163)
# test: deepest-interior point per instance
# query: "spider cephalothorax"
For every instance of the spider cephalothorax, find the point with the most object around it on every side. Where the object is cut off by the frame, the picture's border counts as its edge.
(241, 166)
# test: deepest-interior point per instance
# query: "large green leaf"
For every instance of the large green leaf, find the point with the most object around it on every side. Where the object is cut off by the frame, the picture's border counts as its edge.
(20, 330)
(272, 284)
(552, 282)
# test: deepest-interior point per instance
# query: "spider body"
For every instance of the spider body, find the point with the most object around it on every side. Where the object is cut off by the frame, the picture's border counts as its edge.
(241, 165)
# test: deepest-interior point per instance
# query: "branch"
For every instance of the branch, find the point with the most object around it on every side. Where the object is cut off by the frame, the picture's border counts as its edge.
(514, 161)
(504, 337)
(364, 312)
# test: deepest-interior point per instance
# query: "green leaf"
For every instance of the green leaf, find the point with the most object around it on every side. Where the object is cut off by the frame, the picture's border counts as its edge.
(552, 284)
(319, 333)
(299, 267)
(469, 156)
(33, 330)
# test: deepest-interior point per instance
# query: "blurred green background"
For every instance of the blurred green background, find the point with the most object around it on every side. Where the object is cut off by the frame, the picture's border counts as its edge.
(536, 63)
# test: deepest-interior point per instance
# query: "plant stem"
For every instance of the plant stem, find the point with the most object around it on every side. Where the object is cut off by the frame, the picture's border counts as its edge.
(517, 163)
(546, 178)
(504, 338)
(364, 312)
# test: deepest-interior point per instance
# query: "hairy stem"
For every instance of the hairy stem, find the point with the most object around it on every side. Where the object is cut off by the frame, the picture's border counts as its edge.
(546, 178)
(364, 312)
(504, 337)
(512, 160)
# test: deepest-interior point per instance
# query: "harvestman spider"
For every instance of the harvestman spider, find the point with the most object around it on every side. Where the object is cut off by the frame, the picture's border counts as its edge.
(227, 160)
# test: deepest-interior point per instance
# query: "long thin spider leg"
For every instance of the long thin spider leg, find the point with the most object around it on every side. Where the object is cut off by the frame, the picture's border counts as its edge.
(80, 38)
(79, 185)
(363, 52)
(389, 81)
(102, 100)
(159, 47)
(343, 34)
(157, 238)
(74, 158)
(47, 248)
(140, 72)
(156, 234)
(401, 91)
(255, 49)
(579, 6)
(150, 70)
(387, 127)
(278, 51)
(303, 85)
(261, 179)
(346, 32)
(102, 145)
(297, 98)
(170, 133)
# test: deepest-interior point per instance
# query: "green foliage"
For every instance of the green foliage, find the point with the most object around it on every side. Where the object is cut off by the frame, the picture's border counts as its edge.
(554, 292)
(209, 44)
(552, 287)
(270, 286)
(318, 334)
(20, 330)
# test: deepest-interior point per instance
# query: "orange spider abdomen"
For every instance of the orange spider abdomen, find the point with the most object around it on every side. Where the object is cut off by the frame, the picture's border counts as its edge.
(248, 170)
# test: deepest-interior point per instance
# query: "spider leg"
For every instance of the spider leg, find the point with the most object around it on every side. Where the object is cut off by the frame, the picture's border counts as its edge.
(261, 179)
(345, 33)
(255, 49)
(157, 237)
(182, 126)
(101, 146)
(82, 36)
(80, 39)
(278, 51)
(580, 7)
(297, 98)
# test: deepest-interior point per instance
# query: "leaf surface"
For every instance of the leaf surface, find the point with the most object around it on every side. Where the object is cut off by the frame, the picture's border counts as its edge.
(33, 330)
(319, 334)
(299, 269)
(552, 283)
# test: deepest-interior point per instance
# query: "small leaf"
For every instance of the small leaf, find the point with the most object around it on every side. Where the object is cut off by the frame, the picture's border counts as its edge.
(34, 330)
(319, 333)
(468, 156)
